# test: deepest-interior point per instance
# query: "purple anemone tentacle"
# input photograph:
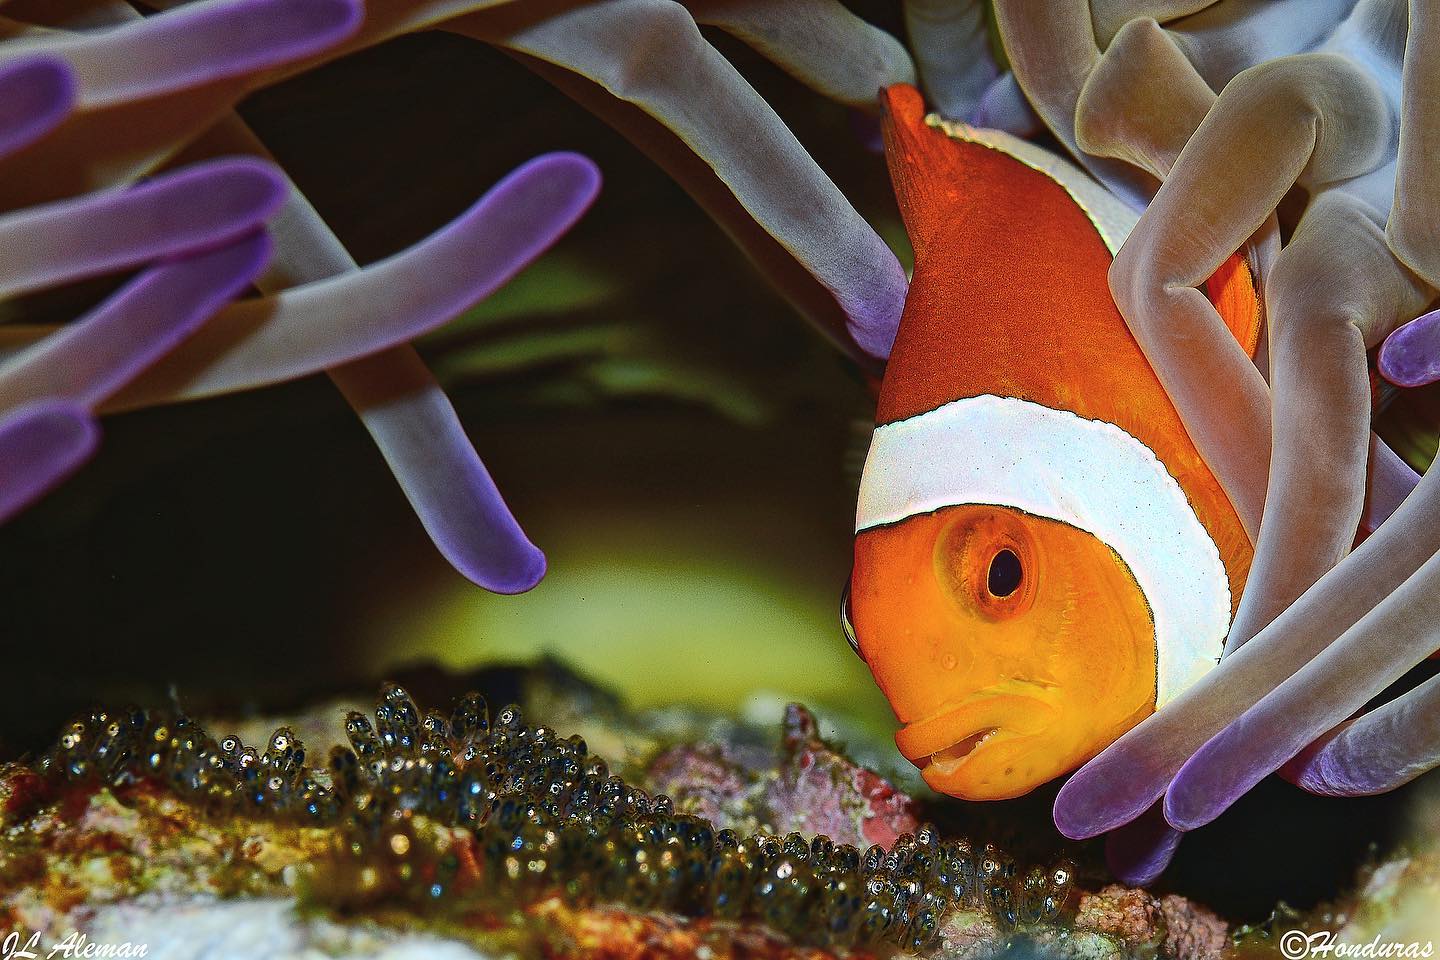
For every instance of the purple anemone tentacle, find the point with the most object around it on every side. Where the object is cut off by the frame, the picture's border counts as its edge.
(1128, 776)
(819, 42)
(90, 359)
(325, 324)
(411, 420)
(201, 206)
(1004, 107)
(35, 95)
(1391, 482)
(200, 43)
(1139, 852)
(1374, 753)
(40, 445)
(643, 65)
(1410, 357)
(1396, 634)
(416, 428)
(199, 59)
(951, 41)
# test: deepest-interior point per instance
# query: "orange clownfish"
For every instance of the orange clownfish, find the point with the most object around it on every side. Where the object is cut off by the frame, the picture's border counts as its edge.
(1042, 559)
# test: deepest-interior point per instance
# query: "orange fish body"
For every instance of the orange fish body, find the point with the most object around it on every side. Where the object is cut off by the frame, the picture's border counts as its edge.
(1041, 557)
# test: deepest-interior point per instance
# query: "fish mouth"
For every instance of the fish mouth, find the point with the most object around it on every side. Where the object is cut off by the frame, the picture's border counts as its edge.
(948, 760)
(943, 742)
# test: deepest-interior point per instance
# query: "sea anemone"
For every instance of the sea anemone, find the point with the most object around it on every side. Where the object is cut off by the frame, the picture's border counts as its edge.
(1237, 127)
(131, 95)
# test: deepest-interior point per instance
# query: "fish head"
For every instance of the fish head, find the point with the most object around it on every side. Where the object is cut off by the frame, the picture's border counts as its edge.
(1011, 647)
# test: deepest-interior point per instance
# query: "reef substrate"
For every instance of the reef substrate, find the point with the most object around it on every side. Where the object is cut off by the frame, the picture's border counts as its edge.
(469, 835)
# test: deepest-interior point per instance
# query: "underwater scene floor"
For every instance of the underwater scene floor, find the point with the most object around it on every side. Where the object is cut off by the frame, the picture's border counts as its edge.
(487, 824)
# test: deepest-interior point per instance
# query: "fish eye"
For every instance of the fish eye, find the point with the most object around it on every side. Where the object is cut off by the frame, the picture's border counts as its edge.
(846, 625)
(1005, 574)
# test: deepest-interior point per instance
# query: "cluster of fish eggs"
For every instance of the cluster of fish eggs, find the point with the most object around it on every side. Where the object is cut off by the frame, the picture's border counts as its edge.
(549, 819)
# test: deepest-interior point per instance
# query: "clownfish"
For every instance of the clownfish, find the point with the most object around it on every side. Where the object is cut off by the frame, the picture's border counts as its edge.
(1042, 559)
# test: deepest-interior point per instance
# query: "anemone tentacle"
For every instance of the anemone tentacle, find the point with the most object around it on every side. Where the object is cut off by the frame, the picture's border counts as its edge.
(952, 52)
(405, 411)
(202, 57)
(1139, 852)
(1376, 752)
(205, 42)
(119, 229)
(88, 361)
(1382, 645)
(36, 94)
(41, 444)
(1235, 124)
(649, 54)
(147, 86)
(802, 216)
(1410, 357)
(802, 37)
(275, 338)
(1134, 772)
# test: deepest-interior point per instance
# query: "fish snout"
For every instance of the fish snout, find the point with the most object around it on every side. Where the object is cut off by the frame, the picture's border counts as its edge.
(954, 748)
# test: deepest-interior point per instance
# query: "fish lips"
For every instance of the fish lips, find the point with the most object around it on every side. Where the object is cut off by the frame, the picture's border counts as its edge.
(944, 745)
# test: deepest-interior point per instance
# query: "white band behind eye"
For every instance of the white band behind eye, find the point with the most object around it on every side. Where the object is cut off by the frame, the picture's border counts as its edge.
(1089, 474)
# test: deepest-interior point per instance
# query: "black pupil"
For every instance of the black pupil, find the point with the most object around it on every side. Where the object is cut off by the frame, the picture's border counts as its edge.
(1004, 574)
